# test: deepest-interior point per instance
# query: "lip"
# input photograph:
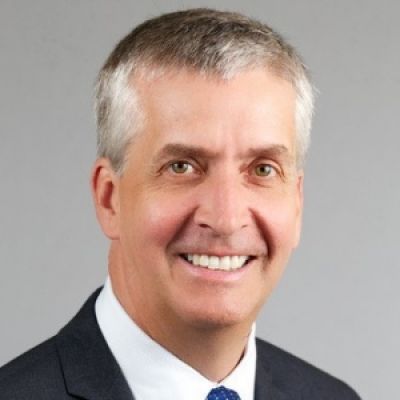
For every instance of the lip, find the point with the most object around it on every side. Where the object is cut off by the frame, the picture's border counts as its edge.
(214, 276)
(219, 251)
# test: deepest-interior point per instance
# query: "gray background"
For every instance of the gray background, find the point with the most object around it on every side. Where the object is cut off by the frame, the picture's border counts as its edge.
(338, 304)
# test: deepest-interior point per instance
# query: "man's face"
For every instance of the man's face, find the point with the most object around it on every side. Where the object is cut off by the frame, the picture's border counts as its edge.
(211, 180)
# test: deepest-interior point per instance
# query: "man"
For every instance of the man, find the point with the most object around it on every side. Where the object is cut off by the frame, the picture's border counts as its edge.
(203, 125)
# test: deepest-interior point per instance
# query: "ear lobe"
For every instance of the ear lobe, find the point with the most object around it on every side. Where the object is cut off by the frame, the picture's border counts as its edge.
(105, 193)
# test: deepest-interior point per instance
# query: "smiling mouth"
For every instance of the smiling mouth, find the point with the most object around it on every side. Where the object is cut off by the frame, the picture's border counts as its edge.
(225, 263)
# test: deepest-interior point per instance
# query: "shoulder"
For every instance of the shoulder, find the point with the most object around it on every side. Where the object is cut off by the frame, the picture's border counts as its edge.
(299, 378)
(44, 371)
(34, 374)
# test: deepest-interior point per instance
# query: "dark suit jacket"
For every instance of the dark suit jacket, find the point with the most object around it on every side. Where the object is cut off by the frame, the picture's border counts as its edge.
(77, 364)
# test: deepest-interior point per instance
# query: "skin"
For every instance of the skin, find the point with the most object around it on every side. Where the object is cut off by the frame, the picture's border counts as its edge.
(212, 172)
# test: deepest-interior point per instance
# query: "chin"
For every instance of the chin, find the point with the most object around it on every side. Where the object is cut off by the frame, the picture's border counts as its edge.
(218, 316)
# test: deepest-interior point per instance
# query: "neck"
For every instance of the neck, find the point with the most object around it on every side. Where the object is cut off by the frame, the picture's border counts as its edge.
(213, 351)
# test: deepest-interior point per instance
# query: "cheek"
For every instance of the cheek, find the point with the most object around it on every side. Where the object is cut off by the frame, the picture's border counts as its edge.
(279, 218)
(156, 219)
(285, 228)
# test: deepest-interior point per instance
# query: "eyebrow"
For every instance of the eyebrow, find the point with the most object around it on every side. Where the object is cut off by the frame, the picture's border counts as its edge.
(276, 151)
(179, 150)
(184, 151)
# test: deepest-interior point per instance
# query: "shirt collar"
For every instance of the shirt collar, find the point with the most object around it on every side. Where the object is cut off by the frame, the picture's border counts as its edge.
(154, 373)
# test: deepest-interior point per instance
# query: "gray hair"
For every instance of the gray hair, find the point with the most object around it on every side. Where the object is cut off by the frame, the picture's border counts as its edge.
(211, 42)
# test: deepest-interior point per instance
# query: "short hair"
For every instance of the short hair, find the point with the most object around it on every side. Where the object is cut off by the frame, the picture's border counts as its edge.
(210, 42)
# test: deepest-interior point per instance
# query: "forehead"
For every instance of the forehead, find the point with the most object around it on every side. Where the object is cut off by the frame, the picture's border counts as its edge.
(254, 108)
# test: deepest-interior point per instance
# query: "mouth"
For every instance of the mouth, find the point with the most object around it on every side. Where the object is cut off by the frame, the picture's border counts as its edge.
(224, 263)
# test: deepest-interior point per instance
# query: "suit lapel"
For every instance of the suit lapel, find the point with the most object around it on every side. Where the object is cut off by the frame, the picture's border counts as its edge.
(265, 388)
(89, 368)
(91, 372)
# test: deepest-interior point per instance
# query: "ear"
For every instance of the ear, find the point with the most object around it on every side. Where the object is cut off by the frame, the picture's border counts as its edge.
(105, 193)
(299, 206)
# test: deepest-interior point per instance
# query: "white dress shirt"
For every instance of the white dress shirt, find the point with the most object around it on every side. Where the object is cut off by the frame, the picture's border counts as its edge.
(152, 372)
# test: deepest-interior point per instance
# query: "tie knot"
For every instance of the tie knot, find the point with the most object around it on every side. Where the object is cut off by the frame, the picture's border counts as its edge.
(222, 393)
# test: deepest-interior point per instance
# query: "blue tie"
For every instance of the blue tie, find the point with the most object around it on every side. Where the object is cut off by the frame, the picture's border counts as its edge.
(222, 393)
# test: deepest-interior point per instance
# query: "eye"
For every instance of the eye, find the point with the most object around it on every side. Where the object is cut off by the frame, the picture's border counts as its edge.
(181, 167)
(265, 170)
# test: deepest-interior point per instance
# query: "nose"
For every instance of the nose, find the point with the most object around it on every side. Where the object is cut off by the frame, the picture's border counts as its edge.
(224, 206)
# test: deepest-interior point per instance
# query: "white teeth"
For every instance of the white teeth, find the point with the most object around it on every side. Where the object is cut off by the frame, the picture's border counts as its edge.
(204, 261)
(235, 262)
(225, 263)
(213, 262)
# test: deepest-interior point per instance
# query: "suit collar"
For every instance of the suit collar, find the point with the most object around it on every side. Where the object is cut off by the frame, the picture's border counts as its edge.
(266, 388)
(91, 372)
(89, 368)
